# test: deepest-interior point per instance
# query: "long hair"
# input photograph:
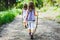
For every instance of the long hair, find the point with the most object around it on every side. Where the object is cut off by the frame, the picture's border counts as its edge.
(31, 6)
(25, 6)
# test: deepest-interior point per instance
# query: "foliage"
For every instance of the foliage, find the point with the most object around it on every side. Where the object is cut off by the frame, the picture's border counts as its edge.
(2, 5)
(5, 4)
(8, 16)
(19, 5)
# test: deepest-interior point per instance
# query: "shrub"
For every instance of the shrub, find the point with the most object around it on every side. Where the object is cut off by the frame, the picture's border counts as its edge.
(8, 16)
(20, 5)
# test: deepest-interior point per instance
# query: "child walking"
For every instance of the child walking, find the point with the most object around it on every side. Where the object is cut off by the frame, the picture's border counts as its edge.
(24, 12)
(31, 19)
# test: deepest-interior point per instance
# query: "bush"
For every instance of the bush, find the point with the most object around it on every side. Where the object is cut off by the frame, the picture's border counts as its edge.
(19, 11)
(8, 16)
(20, 5)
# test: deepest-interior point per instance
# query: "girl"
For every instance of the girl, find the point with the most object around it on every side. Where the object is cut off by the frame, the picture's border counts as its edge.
(24, 11)
(31, 19)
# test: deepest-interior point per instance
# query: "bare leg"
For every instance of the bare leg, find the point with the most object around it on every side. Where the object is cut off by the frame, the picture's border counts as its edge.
(29, 30)
(24, 23)
(32, 33)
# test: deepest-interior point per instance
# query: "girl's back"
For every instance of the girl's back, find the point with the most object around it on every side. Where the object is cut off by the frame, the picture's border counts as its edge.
(31, 16)
(24, 13)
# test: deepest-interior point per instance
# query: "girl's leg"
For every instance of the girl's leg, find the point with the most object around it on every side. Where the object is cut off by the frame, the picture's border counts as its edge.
(29, 30)
(24, 23)
(29, 27)
(30, 33)
(32, 29)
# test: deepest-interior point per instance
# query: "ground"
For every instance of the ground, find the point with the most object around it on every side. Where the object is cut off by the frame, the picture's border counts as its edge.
(46, 30)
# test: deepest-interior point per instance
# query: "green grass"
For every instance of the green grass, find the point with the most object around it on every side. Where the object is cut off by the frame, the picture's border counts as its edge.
(8, 16)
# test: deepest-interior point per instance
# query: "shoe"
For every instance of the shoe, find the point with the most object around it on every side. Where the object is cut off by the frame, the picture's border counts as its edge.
(25, 26)
(32, 37)
(30, 34)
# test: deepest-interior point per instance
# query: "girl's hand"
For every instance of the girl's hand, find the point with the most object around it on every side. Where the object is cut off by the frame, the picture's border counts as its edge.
(36, 14)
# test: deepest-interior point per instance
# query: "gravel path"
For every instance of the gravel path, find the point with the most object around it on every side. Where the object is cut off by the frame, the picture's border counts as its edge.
(46, 30)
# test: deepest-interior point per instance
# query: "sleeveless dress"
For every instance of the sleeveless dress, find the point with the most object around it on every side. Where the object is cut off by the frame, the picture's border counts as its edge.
(24, 15)
(31, 16)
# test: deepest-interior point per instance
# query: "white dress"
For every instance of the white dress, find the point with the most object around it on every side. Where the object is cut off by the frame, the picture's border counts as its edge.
(24, 15)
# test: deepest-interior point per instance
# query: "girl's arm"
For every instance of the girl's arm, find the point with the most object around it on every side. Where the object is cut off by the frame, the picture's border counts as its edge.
(35, 13)
(26, 14)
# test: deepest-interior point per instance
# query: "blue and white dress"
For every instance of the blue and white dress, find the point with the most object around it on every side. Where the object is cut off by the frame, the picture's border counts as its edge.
(31, 19)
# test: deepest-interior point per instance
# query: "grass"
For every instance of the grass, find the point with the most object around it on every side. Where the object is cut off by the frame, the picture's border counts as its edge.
(8, 16)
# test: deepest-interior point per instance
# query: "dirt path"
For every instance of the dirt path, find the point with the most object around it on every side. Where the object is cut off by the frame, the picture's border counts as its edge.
(47, 30)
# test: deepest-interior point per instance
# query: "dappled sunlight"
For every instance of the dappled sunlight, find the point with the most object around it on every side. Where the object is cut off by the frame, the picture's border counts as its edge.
(50, 14)
(15, 30)
(48, 21)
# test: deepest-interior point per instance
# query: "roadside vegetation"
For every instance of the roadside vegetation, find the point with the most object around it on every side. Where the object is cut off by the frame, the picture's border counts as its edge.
(10, 9)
